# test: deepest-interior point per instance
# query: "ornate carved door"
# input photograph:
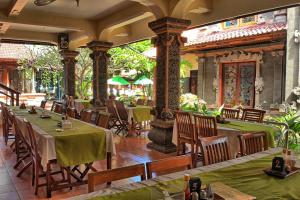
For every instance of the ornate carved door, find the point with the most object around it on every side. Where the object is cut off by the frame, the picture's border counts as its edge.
(238, 81)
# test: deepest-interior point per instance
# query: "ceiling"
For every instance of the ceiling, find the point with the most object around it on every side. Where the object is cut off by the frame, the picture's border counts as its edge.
(88, 9)
(117, 21)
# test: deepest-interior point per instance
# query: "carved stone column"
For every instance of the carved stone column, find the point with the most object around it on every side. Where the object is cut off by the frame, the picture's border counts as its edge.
(167, 93)
(168, 42)
(100, 59)
(69, 62)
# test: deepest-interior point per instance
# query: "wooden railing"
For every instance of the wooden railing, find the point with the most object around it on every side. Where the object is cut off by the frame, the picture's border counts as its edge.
(12, 94)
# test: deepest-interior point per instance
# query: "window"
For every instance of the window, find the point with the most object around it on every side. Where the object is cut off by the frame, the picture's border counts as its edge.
(248, 20)
(245, 21)
(231, 24)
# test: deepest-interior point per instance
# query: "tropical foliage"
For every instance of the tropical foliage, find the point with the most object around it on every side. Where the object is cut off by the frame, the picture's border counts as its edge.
(292, 120)
(130, 57)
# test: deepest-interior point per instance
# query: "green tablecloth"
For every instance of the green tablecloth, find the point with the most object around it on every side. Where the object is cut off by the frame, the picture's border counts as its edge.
(254, 127)
(246, 177)
(141, 113)
(83, 143)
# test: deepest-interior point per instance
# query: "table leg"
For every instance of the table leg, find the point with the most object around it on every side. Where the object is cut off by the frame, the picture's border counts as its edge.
(108, 160)
(48, 180)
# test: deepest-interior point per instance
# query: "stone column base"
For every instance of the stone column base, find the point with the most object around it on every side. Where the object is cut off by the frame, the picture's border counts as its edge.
(161, 136)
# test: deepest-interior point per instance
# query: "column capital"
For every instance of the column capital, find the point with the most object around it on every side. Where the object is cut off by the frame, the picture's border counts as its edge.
(99, 45)
(169, 25)
(68, 53)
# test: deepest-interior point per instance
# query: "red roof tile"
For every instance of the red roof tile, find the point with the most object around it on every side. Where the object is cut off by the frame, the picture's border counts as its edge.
(196, 36)
(13, 51)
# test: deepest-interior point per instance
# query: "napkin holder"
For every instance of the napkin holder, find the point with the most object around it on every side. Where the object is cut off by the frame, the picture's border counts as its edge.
(32, 110)
(279, 169)
(22, 106)
(67, 124)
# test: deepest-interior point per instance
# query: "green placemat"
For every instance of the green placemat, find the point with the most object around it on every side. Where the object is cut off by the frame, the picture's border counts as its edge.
(81, 144)
(141, 113)
(246, 177)
(254, 127)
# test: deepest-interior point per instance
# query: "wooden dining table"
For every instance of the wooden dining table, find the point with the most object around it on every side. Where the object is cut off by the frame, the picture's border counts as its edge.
(244, 174)
(82, 144)
(233, 128)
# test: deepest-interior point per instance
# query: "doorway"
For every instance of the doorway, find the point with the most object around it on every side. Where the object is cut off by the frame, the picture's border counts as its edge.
(238, 84)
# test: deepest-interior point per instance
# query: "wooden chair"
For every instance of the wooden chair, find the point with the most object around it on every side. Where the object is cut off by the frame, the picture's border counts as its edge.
(53, 105)
(102, 177)
(71, 102)
(123, 117)
(230, 113)
(58, 108)
(71, 112)
(165, 165)
(102, 119)
(37, 170)
(86, 116)
(205, 126)
(7, 125)
(140, 102)
(114, 119)
(253, 115)
(251, 143)
(150, 103)
(185, 132)
(43, 104)
(22, 149)
(215, 149)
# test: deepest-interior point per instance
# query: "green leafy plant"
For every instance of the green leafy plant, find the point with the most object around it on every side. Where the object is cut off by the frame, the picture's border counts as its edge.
(292, 120)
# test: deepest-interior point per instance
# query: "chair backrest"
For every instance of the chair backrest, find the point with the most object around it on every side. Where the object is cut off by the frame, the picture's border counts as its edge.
(102, 177)
(169, 164)
(253, 115)
(122, 112)
(102, 119)
(215, 149)
(86, 115)
(70, 102)
(71, 112)
(140, 102)
(185, 127)
(230, 113)
(58, 108)
(251, 143)
(32, 140)
(205, 126)
(53, 105)
(111, 108)
(150, 103)
(43, 104)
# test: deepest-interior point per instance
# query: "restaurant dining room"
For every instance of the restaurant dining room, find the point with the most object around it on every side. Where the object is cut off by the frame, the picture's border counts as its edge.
(150, 99)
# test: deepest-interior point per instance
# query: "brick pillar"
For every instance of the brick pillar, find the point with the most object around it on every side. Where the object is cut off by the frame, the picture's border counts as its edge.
(100, 60)
(168, 42)
(69, 62)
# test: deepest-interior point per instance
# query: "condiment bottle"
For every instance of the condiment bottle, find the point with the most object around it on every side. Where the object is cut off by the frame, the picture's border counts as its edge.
(186, 187)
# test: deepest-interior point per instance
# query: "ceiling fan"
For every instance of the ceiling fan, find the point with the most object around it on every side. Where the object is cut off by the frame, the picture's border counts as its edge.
(46, 2)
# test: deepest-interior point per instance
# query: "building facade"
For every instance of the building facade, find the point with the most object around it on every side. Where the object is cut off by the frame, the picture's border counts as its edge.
(245, 61)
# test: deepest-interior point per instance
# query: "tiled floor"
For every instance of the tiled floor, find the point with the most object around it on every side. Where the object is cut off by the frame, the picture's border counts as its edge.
(131, 150)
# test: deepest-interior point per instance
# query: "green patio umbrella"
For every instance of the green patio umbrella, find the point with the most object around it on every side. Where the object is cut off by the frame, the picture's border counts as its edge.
(117, 80)
(143, 81)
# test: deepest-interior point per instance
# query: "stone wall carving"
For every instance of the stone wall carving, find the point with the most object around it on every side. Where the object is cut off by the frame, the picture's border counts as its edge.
(238, 56)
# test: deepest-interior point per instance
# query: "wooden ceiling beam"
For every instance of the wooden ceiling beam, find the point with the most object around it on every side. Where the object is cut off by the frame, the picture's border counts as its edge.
(16, 7)
(4, 27)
